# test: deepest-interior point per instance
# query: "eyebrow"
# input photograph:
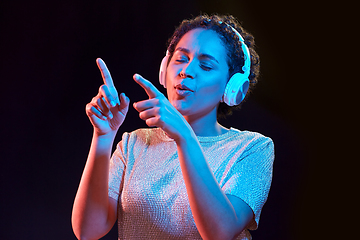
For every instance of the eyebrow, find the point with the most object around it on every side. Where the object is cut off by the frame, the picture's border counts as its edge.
(202, 55)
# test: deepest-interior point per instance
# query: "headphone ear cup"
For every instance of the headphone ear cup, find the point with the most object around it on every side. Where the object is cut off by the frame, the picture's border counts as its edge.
(162, 71)
(236, 89)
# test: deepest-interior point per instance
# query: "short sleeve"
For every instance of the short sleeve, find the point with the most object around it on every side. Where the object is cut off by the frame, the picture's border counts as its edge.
(251, 175)
(117, 168)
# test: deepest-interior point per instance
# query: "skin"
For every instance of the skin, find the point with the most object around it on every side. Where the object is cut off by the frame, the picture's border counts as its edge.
(199, 66)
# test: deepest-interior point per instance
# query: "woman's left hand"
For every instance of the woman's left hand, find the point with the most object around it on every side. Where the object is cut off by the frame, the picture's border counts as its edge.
(157, 111)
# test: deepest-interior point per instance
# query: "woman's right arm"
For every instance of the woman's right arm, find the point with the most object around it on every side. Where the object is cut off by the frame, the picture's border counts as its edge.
(94, 212)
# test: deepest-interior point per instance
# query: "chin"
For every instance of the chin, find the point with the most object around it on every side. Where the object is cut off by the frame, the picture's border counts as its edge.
(183, 107)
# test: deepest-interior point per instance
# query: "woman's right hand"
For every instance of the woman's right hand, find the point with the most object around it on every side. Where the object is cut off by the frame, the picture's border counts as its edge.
(106, 111)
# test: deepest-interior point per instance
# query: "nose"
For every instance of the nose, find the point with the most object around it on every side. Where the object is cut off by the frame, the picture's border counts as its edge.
(184, 75)
(188, 70)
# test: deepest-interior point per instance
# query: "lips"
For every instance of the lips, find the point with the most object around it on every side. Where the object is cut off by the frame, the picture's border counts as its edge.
(183, 87)
(183, 90)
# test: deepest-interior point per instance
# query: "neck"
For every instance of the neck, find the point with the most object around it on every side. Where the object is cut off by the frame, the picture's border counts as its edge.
(206, 125)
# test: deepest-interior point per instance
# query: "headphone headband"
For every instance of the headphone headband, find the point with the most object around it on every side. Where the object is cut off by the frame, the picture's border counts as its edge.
(247, 58)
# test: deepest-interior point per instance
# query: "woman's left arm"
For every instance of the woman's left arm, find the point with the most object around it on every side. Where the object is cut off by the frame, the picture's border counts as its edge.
(217, 216)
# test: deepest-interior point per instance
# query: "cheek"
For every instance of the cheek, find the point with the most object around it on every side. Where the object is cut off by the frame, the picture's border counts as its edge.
(215, 87)
(170, 90)
(171, 72)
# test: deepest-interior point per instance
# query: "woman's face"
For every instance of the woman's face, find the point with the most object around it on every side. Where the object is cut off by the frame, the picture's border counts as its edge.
(197, 73)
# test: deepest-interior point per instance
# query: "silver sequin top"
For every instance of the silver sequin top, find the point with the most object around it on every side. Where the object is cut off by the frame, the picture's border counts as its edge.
(145, 178)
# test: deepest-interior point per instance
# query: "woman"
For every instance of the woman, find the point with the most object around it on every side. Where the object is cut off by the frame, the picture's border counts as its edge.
(190, 177)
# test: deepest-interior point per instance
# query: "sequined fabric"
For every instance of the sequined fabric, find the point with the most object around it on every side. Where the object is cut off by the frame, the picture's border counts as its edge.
(145, 178)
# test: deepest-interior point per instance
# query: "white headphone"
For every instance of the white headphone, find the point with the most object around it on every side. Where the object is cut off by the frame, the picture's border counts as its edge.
(238, 84)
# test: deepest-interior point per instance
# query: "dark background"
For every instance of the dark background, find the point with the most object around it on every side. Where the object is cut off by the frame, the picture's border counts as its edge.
(48, 74)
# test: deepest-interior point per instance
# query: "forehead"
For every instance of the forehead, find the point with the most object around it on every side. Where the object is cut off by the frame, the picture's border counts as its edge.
(201, 40)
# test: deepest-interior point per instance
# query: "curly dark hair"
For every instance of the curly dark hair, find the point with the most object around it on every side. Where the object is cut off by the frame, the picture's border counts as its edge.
(235, 56)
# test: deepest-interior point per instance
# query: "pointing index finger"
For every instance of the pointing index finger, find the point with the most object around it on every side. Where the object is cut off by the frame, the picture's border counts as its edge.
(105, 73)
(149, 88)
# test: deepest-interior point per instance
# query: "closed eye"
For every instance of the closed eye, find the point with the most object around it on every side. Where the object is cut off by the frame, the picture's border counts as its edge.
(206, 67)
(181, 60)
